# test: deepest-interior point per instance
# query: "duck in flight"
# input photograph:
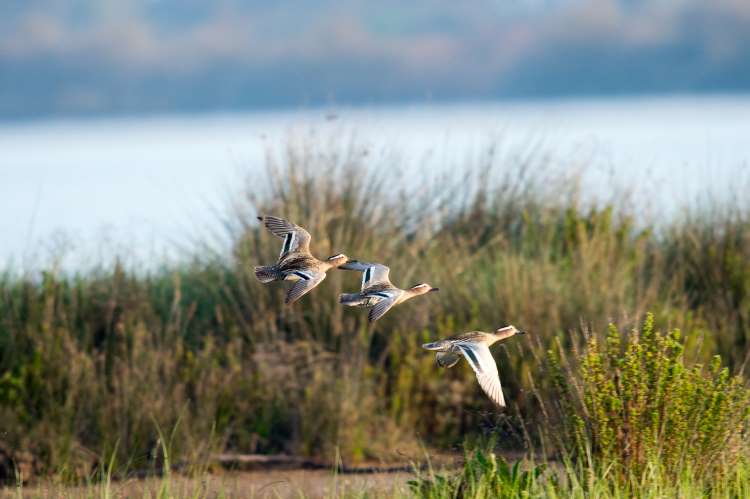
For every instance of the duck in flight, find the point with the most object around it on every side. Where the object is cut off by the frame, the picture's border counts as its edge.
(377, 290)
(475, 347)
(295, 263)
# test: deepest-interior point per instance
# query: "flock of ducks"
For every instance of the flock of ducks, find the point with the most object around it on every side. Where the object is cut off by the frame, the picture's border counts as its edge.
(296, 263)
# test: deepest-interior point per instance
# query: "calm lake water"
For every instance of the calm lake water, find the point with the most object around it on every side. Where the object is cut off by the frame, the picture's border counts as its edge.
(143, 187)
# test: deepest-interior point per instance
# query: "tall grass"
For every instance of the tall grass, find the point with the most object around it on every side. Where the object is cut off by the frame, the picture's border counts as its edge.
(92, 364)
(485, 475)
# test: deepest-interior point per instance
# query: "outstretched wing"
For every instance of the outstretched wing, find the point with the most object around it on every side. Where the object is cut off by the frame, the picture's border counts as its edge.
(372, 273)
(381, 307)
(304, 285)
(296, 239)
(480, 358)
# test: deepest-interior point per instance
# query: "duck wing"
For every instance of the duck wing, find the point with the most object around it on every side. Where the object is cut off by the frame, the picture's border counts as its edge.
(373, 274)
(304, 285)
(381, 307)
(296, 239)
(447, 359)
(480, 359)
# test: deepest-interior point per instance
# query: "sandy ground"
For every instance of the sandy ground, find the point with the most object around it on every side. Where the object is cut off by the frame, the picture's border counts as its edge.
(260, 484)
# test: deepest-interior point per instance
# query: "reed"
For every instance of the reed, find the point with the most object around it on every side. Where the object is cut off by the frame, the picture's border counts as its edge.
(92, 364)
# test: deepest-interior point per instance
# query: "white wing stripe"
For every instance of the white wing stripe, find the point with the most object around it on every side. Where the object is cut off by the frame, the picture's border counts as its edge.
(373, 273)
(366, 276)
(481, 360)
(303, 286)
(295, 238)
(470, 356)
(288, 241)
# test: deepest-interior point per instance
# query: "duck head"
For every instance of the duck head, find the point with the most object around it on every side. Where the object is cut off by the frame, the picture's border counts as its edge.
(423, 288)
(507, 332)
(337, 260)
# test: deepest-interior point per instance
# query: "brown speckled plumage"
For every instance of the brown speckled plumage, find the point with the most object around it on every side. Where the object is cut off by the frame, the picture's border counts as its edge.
(295, 262)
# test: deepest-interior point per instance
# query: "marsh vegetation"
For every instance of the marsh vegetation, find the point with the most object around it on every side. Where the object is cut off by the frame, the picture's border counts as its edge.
(116, 368)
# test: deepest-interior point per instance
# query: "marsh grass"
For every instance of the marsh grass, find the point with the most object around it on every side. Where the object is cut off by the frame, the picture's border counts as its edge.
(91, 364)
(483, 474)
(489, 477)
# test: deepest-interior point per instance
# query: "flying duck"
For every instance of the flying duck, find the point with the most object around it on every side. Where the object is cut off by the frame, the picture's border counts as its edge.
(295, 263)
(377, 291)
(475, 346)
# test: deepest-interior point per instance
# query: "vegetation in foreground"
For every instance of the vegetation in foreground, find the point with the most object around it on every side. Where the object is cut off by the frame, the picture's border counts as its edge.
(96, 368)
(635, 420)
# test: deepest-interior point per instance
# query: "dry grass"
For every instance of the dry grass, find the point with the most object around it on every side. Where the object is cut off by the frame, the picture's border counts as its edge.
(98, 364)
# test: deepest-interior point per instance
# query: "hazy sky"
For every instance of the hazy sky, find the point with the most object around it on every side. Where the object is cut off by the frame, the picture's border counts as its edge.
(94, 56)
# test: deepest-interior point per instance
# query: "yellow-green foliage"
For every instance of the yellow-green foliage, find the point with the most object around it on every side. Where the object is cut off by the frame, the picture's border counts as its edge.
(633, 401)
(485, 475)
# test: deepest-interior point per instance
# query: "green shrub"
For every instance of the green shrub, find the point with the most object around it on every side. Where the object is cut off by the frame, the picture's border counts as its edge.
(633, 402)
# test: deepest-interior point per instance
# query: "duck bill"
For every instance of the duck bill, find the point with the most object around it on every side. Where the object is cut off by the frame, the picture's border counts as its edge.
(434, 289)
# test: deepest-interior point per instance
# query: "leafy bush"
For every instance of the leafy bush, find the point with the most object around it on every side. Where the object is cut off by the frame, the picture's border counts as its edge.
(634, 403)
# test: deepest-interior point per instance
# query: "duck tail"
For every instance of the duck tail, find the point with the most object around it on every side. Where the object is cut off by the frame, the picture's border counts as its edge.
(436, 345)
(350, 299)
(267, 274)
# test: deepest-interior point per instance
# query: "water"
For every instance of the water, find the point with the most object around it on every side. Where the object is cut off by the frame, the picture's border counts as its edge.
(143, 187)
